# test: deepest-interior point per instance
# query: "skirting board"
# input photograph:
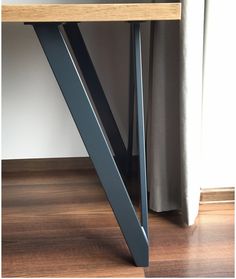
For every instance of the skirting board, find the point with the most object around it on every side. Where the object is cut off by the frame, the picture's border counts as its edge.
(210, 195)
(46, 164)
(217, 195)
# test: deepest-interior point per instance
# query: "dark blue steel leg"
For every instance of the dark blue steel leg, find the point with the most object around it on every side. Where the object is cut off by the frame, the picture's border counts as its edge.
(99, 98)
(141, 129)
(131, 103)
(77, 99)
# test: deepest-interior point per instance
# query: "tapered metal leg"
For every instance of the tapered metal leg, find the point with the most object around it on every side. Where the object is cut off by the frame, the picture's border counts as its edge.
(99, 98)
(141, 127)
(85, 118)
(131, 103)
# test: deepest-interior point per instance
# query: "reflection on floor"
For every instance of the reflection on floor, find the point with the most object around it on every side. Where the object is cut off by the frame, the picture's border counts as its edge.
(59, 224)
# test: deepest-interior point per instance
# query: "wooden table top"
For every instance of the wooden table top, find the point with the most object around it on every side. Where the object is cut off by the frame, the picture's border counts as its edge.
(90, 12)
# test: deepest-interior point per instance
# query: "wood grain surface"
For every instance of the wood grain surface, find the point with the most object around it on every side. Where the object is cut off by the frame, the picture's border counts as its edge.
(47, 164)
(90, 12)
(210, 195)
(59, 224)
(203, 250)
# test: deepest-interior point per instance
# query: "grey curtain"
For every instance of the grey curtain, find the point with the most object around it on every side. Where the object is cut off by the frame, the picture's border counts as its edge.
(174, 112)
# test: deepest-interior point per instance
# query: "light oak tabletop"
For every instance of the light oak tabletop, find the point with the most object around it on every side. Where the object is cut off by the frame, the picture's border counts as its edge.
(90, 12)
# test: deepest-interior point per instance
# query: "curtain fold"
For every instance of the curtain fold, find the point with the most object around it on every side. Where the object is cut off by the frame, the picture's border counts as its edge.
(174, 112)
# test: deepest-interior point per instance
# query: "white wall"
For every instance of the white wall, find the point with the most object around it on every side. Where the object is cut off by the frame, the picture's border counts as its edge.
(219, 97)
(35, 119)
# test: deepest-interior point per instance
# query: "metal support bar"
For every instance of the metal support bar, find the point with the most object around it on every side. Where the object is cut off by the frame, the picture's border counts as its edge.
(140, 120)
(131, 102)
(85, 118)
(96, 91)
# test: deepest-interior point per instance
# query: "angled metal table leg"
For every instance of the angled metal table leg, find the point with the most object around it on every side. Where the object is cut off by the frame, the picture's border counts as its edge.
(131, 103)
(76, 97)
(99, 98)
(140, 120)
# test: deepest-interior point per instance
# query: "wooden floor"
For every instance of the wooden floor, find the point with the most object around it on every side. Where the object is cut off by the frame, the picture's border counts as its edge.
(59, 224)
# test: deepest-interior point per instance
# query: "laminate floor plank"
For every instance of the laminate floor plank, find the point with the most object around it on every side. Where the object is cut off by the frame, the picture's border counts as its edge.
(59, 224)
(203, 250)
